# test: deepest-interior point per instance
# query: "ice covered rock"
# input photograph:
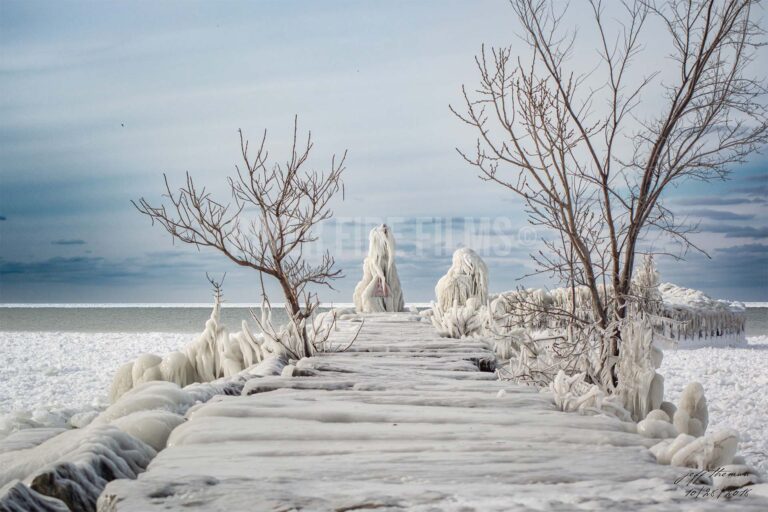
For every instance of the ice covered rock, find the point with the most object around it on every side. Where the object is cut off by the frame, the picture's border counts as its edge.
(692, 416)
(665, 450)
(467, 278)
(660, 415)
(17, 497)
(150, 396)
(379, 290)
(669, 408)
(680, 316)
(212, 355)
(152, 427)
(708, 452)
(75, 466)
(656, 429)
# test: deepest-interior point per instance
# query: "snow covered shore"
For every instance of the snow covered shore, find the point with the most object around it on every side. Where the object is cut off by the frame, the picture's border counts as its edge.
(735, 381)
(407, 419)
(49, 376)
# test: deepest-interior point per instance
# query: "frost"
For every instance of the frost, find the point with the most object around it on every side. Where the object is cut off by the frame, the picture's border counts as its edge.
(379, 290)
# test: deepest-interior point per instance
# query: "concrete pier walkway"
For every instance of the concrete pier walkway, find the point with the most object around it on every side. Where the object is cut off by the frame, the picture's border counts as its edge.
(404, 420)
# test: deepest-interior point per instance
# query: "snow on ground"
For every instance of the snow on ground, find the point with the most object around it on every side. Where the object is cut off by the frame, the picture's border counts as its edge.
(48, 376)
(735, 381)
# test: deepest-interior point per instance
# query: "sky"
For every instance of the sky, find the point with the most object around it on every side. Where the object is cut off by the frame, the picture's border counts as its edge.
(99, 99)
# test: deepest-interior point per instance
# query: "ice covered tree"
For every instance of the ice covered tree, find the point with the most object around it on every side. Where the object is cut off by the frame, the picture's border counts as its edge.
(592, 152)
(268, 223)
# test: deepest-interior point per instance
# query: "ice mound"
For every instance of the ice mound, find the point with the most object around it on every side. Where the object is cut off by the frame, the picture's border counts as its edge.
(379, 290)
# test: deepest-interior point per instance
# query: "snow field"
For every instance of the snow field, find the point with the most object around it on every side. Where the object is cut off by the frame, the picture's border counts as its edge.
(47, 377)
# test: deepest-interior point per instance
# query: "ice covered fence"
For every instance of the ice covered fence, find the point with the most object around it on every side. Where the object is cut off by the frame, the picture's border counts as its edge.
(683, 317)
(403, 420)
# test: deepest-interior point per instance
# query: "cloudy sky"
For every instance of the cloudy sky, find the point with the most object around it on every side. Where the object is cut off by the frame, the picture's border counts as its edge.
(98, 99)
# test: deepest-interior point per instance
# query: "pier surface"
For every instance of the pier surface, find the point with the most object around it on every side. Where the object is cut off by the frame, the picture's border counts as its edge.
(404, 420)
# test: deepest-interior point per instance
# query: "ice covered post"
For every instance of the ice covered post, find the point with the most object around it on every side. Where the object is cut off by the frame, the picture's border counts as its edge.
(379, 290)
(467, 278)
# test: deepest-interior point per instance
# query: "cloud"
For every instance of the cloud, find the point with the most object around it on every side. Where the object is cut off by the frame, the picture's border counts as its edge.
(724, 200)
(732, 231)
(719, 214)
(73, 241)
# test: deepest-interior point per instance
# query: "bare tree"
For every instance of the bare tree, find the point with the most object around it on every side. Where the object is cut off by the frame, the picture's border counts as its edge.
(561, 143)
(267, 224)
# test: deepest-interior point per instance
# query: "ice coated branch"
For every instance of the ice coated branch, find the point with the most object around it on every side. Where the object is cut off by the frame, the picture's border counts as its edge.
(266, 227)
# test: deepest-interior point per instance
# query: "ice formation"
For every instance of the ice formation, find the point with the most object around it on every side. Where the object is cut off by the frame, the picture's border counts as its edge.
(573, 394)
(691, 318)
(17, 497)
(641, 389)
(74, 466)
(680, 316)
(692, 416)
(458, 321)
(467, 278)
(214, 354)
(379, 290)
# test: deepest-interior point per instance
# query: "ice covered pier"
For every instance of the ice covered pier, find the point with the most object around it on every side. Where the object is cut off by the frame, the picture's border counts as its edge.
(403, 420)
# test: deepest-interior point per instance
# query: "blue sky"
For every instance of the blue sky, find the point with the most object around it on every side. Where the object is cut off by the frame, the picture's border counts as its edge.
(98, 99)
